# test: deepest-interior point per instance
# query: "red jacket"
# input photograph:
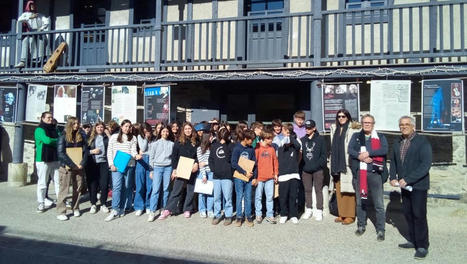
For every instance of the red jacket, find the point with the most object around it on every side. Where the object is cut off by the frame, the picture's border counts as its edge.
(267, 162)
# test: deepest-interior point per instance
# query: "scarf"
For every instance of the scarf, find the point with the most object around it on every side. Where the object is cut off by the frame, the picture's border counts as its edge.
(49, 153)
(338, 163)
(376, 166)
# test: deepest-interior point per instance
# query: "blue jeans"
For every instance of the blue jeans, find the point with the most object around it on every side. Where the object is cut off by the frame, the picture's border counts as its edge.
(205, 202)
(268, 187)
(143, 184)
(243, 191)
(223, 188)
(122, 189)
(161, 176)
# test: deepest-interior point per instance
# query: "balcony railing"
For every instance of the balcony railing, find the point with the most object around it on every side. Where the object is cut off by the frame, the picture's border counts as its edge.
(409, 33)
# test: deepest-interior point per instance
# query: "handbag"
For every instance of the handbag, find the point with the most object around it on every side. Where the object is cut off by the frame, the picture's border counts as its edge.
(333, 205)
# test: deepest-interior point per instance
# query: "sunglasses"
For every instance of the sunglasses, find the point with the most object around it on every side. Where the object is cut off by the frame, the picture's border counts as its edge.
(341, 116)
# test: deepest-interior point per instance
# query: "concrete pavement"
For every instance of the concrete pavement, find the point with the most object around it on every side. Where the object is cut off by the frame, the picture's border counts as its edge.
(30, 237)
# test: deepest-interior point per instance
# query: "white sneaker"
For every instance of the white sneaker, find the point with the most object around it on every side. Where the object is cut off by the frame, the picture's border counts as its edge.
(68, 204)
(41, 208)
(62, 217)
(211, 214)
(151, 217)
(139, 212)
(308, 213)
(318, 215)
(203, 214)
(98, 196)
(113, 214)
(48, 203)
(104, 209)
(283, 219)
(93, 209)
(76, 213)
(294, 220)
(148, 211)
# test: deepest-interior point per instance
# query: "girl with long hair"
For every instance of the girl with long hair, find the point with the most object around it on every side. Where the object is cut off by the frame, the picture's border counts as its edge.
(69, 170)
(205, 202)
(142, 180)
(122, 183)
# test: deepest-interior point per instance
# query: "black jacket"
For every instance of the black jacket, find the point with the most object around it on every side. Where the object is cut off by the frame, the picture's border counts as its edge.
(186, 150)
(288, 156)
(93, 146)
(219, 160)
(313, 153)
(417, 163)
(64, 159)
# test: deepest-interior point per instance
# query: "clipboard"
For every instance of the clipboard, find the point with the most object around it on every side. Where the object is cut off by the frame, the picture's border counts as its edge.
(205, 188)
(246, 165)
(276, 190)
(184, 167)
(75, 154)
(121, 161)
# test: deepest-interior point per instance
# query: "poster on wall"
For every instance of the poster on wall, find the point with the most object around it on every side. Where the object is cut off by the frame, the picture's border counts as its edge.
(442, 105)
(92, 104)
(124, 103)
(340, 96)
(64, 102)
(156, 104)
(35, 102)
(8, 96)
(389, 100)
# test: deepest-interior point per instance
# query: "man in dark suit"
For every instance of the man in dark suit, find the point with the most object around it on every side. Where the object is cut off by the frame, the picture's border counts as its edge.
(410, 166)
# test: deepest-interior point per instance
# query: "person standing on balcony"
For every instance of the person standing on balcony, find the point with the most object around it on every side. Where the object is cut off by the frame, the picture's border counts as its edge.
(410, 169)
(34, 22)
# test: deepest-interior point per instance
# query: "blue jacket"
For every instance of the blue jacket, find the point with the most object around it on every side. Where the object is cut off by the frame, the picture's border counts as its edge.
(246, 152)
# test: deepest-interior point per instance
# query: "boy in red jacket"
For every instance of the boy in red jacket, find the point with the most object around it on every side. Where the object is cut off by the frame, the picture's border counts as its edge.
(268, 170)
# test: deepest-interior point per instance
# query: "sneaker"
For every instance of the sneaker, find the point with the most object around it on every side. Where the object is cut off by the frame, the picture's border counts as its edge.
(294, 220)
(62, 217)
(259, 219)
(421, 253)
(148, 211)
(104, 209)
(318, 215)
(308, 213)
(151, 217)
(187, 214)
(48, 203)
(228, 221)
(211, 214)
(113, 214)
(68, 204)
(238, 222)
(20, 65)
(283, 219)
(360, 231)
(93, 209)
(41, 208)
(139, 212)
(380, 236)
(271, 220)
(250, 223)
(164, 215)
(408, 245)
(216, 220)
(76, 213)
(203, 214)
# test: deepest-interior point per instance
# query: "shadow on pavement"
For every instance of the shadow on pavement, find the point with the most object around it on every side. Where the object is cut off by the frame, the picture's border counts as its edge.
(21, 250)
(395, 215)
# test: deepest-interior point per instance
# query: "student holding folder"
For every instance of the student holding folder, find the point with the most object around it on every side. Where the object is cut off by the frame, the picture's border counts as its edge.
(122, 182)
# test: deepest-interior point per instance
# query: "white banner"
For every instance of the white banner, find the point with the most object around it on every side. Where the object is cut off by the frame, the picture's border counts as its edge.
(64, 102)
(124, 103)
(35, 102)
(389, 100)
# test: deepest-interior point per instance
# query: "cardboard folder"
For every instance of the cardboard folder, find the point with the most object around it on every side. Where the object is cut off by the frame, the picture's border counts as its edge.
(247, 165)
(184, 167)
(121, 161)
(75, 154)
(276, 190)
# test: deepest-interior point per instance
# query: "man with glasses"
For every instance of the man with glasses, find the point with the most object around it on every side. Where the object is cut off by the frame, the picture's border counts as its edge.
(367, 150)
(410, 167)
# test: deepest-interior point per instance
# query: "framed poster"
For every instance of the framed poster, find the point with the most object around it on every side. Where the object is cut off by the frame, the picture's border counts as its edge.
(8, 99)
(156, 104)
(442, 105)
(389, 100)
(124, 103)
(92, 104)
(64, 102)
(35, 102)
(340, 96)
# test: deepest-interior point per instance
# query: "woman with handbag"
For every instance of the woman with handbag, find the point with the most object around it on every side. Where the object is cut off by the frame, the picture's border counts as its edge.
(341, 133)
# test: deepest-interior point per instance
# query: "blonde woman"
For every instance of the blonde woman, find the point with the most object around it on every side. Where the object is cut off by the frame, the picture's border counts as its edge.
(72, 137)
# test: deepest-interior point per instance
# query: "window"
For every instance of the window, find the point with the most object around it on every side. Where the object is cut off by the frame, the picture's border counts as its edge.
(144, 11)
(9, 12)
(260, 6)
(355, 4)
(375, 16)
(91, 12)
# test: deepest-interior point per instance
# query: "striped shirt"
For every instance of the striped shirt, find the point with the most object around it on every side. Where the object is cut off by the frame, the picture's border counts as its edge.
(203, 158)
(126, 146)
